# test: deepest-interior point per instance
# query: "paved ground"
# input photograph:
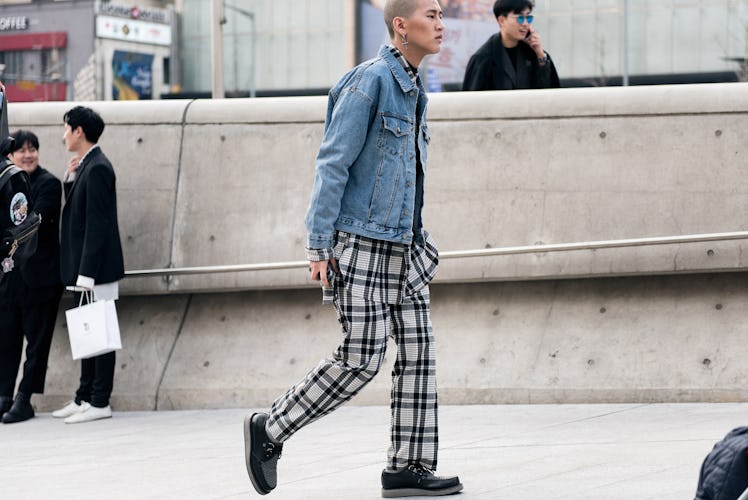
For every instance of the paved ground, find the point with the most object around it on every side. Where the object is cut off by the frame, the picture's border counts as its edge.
(626, 451)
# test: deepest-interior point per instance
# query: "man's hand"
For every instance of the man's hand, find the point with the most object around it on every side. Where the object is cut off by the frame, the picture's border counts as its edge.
(535, 44)
(318, 270)
(72, 165)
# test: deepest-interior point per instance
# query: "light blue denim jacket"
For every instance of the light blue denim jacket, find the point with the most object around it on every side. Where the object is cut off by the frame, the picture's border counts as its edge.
(366, 180)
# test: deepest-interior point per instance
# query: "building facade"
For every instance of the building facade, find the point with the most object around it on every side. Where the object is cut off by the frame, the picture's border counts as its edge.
(57, 50)
(149, 49)
(276, 46)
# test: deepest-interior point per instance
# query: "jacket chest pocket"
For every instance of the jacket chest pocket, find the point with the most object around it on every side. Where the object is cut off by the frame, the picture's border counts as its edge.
(394, 135)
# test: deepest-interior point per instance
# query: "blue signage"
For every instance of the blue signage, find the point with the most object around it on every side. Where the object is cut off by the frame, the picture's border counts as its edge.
(132, 76)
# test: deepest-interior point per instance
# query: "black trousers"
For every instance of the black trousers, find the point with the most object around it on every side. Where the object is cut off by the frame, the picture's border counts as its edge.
(36, 323)
(97, 376)
(97, 380)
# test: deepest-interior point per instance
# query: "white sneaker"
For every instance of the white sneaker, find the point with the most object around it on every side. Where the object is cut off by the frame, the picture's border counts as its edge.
(69, 409)
(89, 413)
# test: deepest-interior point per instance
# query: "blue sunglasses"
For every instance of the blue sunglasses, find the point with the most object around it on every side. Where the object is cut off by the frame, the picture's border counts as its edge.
(521, 19)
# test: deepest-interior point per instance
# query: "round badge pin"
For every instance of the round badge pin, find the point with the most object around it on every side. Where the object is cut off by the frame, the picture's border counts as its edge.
(19, 208)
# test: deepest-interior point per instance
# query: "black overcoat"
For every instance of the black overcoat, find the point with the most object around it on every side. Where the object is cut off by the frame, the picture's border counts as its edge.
(490, 68)
(89, 237)
(43, 268)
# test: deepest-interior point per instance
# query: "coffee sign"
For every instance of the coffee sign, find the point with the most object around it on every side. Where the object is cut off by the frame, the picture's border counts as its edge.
(14, 23)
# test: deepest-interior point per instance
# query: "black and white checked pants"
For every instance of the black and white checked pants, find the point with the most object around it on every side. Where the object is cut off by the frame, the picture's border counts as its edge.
(366, 326)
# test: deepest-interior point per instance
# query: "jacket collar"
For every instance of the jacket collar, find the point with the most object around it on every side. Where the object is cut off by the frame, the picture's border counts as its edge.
(87, 158)
(398, 71)
(37, 171)
(89, 154)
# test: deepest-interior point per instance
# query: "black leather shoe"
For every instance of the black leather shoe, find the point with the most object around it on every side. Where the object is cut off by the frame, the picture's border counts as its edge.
(260, 454)
(5, 403)
(417, 480)
(20, 411)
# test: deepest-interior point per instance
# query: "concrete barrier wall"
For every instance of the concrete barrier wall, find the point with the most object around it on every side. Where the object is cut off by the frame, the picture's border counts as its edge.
(227, 182)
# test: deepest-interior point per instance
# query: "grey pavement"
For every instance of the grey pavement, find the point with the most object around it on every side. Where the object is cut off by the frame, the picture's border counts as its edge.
(604, 451)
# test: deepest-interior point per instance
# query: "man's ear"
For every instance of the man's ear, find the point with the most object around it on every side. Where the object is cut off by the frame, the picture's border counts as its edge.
(501, 20)
(398, 24)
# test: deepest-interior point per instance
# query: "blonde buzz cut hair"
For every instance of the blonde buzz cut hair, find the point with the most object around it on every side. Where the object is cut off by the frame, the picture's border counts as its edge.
(397, 8)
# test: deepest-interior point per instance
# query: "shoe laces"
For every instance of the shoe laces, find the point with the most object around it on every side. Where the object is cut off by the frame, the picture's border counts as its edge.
(421, 470)
(271, 449)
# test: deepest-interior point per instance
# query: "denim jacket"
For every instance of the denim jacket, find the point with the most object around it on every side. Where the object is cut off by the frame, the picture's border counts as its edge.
(366, 170)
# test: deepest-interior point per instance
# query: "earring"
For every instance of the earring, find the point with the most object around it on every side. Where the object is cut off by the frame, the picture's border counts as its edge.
(404, 40)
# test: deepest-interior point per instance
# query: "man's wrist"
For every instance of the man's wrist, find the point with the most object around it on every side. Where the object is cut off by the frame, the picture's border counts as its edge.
(318, 254)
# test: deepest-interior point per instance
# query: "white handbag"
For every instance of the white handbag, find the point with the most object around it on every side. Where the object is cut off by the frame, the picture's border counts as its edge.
(93, 327)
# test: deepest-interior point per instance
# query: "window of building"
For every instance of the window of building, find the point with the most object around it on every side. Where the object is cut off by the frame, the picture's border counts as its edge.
(40, 66)
(167, 70)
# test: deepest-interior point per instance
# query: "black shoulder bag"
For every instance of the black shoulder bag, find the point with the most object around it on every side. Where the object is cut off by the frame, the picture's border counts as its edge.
(19, 224)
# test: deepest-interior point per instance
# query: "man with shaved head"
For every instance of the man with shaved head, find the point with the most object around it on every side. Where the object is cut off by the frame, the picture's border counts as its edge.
(367, 246)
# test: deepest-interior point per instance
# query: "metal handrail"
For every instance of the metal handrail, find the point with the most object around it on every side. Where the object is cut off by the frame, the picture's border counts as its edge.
(454, 254)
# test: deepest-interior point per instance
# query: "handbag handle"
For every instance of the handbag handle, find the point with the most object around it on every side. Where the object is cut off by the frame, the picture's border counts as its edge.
(88, 295)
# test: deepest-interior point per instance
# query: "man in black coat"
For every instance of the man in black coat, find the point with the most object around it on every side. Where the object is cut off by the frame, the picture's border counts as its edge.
(30, 294)
(513, 58)
(90, 250)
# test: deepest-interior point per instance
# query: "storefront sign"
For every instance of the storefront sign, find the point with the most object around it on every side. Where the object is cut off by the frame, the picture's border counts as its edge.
(14, 23)
(132, 30)
(133, 12)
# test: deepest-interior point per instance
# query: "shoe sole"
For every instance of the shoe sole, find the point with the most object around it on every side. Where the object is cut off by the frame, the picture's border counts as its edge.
(14, 420)
(63, 415)
(87, 420)
(420, 492)
(248, 439)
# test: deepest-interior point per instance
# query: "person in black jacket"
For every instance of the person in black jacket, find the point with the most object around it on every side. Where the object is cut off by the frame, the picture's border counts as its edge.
(30, 295)
(90, 249)
(513, 58)
(724, 472)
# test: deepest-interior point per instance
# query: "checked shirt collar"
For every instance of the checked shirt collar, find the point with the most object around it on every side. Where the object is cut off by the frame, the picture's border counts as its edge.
(412, 72)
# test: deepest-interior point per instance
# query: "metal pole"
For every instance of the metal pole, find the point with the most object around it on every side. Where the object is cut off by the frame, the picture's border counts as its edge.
(251, 16)
(252, 82)
(216, 48)
(235, 40)
(483, 252)
(625, 54)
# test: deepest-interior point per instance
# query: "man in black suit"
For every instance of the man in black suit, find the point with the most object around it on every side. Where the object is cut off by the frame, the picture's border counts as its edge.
(90, 250)
(30, 294)
(513, 58)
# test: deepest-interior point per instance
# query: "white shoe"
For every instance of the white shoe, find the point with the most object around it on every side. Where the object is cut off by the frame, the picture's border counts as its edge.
(69, 409)
(89, 413)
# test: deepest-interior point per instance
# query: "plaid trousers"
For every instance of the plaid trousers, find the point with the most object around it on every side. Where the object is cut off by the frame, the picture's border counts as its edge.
(381, 291)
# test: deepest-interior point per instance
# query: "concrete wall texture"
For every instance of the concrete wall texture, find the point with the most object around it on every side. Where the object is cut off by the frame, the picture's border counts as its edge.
(227, 182)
